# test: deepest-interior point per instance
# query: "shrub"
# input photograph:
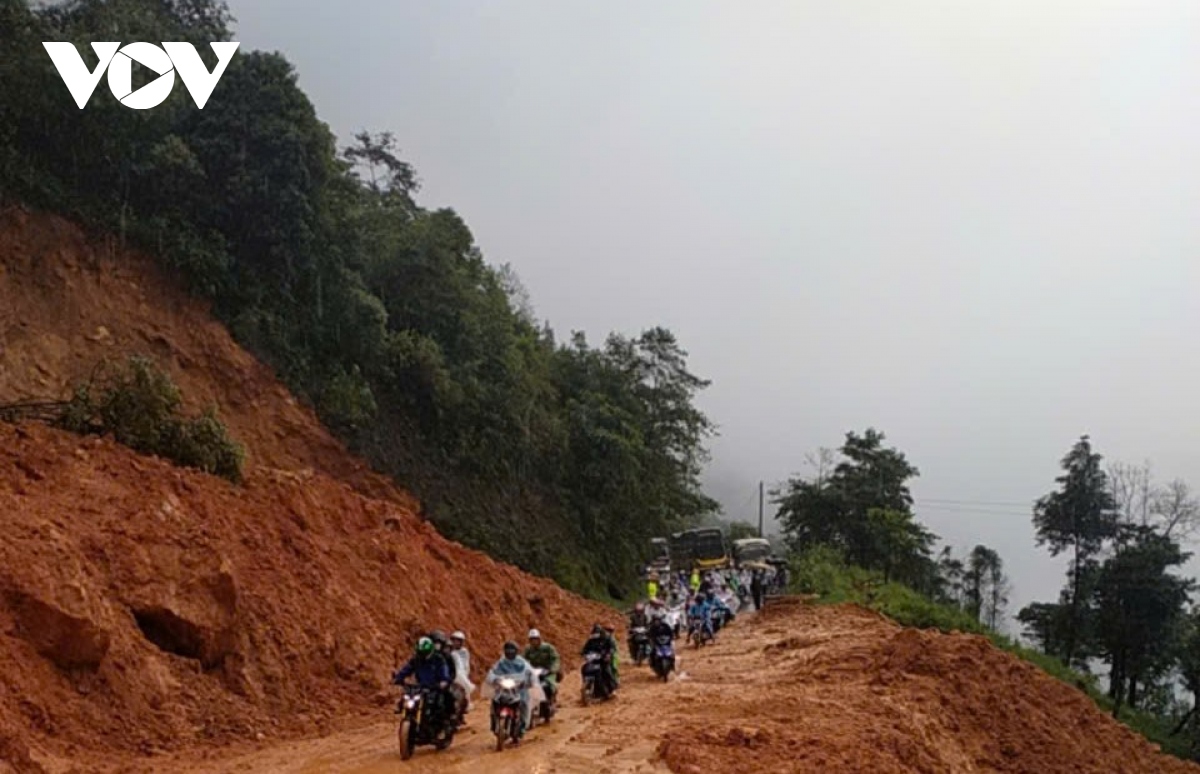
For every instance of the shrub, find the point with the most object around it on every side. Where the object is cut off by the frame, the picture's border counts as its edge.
(139, 405)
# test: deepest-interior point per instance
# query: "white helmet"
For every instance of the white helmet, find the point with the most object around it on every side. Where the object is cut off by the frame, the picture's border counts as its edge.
(534, 634)
(458, 636)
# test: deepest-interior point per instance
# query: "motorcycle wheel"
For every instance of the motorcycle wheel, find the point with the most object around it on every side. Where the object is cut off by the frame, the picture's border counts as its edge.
(585, 695)
(408, 740)
(500, 735)
(444, 742)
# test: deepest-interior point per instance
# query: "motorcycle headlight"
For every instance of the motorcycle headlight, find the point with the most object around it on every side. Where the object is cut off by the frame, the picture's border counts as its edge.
(508, 683)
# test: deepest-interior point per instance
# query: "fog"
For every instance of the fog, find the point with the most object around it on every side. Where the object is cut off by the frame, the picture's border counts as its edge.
(969, 225)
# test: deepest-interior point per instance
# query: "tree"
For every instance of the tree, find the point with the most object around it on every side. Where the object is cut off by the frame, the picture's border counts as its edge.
(998, 590)
(862, 507)
(953, 575)
(741, 529)
(1080, 516)
(1044, 624)
(1189, 663)
(1139, 604)
(1170, 509)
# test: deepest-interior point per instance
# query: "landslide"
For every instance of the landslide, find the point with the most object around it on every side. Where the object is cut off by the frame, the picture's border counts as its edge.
(148, 608)
(842, 689)
(68, 301)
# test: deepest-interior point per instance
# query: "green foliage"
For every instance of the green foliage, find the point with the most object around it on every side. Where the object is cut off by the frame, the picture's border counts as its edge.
(139, 406)
(1139, 607)
(383, 315)
(864, 509)
(1079, 516)
(739, 530)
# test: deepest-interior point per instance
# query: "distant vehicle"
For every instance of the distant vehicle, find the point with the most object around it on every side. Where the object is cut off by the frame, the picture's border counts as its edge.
(708, 551)
(660, 560)
(703, 547)
(681, 550)
(750, 550)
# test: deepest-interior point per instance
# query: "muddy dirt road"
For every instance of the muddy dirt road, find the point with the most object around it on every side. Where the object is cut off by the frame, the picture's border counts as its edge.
(796, 689)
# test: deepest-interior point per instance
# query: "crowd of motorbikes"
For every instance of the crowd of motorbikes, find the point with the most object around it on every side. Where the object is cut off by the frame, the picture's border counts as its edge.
(523, 689)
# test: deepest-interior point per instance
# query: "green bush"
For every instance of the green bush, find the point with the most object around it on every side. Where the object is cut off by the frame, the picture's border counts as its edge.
(139, 406)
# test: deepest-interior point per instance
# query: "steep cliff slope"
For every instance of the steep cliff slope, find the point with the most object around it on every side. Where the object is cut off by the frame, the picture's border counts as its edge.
(144, 607)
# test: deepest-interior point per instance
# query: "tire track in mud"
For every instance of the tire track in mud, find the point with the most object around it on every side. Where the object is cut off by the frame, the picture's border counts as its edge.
(800, 688)
(621, 736)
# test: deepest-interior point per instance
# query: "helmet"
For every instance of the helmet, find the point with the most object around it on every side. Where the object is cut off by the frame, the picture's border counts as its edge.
(424, 646)
(458, 635)
(438, 636)
(610, 628)
(639, 607)
(654, 575)
(597, 629)
(510, 647)
(534, 634)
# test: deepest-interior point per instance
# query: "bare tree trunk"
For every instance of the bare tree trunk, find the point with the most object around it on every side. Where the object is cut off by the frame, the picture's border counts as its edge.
(1183, 723)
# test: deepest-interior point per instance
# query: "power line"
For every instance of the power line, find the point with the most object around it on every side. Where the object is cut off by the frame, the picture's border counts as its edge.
(971, 509)
(973, 502)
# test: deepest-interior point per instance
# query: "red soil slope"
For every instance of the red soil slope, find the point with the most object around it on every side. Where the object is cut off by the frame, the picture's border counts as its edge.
(841, 689)
(67, 302)
(144, 607)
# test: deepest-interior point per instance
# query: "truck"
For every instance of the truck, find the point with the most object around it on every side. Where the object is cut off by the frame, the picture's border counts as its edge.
(750, 550)
(708, 551)
(702, 548)
(660, 557)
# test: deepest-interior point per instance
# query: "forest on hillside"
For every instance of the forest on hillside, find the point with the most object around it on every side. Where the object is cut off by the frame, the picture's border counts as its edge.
(557, 454)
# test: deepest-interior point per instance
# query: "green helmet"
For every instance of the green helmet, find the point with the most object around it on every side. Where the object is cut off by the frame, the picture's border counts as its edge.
(425, 646)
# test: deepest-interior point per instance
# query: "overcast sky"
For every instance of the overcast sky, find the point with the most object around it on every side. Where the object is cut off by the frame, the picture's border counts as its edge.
(971, 225)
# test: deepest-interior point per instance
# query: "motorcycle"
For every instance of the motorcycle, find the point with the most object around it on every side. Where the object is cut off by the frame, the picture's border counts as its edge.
(549, 705)
(662, 657)
(506, 711)
(594, 684)
(697, 634)
(639, 644)
(417, 727)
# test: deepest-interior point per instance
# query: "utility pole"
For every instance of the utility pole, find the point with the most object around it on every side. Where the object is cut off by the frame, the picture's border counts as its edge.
(760, 509)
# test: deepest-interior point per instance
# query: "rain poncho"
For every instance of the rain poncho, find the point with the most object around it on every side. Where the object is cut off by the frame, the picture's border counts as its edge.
(530, 689)
(462, 670)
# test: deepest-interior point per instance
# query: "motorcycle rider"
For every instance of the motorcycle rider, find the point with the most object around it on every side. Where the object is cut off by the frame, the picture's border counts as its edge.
(699, 609)
(511, 664)
(602, 643)
(611, 631)
(659, 627)
(716, 605)
(442, 645)
(460, 660)
(652, 586)
(694, 582)
(638, 618)
(543, 655)
(432, 673)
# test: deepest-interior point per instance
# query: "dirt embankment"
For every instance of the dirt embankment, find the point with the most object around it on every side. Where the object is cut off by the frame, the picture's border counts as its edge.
(842, 689)
(146, 608)
(68, 302)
